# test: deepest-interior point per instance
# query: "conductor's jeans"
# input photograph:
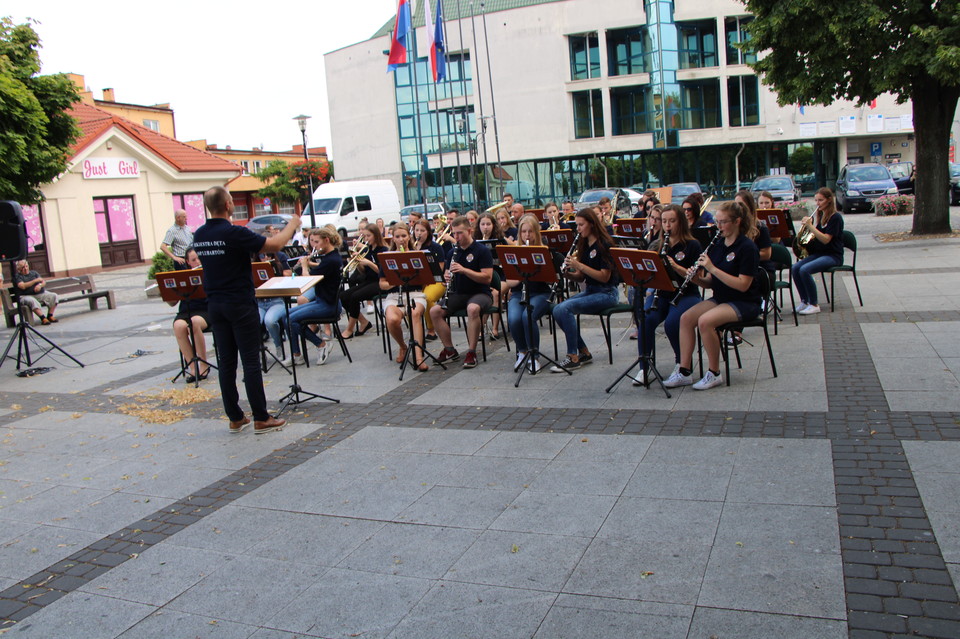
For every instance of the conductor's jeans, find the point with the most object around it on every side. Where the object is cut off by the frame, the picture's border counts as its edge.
(236, 328)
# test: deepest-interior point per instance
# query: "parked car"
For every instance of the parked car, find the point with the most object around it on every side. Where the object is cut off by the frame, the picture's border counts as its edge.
(781, 187)
(859, 186)
(433, 209)
(901, 172)
(955, 183)
(259, 223)
(682, 190)
(635, 197)
(621, 201)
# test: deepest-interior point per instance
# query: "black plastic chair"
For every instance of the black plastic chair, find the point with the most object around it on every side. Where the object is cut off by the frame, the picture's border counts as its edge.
(730, 328)
(849, 242)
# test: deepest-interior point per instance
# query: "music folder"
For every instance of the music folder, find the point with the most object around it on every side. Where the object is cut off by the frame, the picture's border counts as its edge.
(176, 286)
(778, 223)
(632, 226)
(533, 263)
(406, 268)
(559, 240)
(642, 268)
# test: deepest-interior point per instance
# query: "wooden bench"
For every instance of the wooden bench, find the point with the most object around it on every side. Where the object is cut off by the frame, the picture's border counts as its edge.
(68, 289)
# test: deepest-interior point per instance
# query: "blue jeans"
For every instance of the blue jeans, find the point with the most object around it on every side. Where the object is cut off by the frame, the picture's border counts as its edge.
(592, 300)
(306, 314)
(236, 327)
(271, 315)
(668, 315)
(803, 274)
(517, 320)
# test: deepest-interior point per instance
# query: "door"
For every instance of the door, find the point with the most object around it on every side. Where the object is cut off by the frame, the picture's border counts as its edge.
(117, 231)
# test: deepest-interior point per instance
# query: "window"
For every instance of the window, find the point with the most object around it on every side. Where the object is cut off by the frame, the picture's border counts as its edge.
(628, 51)
(743, 100)
(698, 44)
(240, 210)
(734, 28)
(347, 207)
(631, 110)
(246, 166)
(256, 166)
(153, 125)
(584, 56)
(363, 203)
(588, 114)
(286, 208)
(700, 104)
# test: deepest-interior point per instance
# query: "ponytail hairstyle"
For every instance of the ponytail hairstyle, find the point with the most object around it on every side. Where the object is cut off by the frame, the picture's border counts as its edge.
(736, 211)
(747, 201)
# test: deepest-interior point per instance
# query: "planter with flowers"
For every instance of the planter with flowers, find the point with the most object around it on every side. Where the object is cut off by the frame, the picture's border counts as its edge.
(894, 205)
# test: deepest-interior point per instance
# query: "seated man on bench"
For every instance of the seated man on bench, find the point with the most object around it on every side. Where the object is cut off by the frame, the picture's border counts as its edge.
(32, 293)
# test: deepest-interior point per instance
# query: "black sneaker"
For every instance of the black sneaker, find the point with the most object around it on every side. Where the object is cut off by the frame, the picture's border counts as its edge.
(566, 365)
(430, 338)
(585, 358)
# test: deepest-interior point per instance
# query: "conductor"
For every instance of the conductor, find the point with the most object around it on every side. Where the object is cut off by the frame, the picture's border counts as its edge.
(224, 251)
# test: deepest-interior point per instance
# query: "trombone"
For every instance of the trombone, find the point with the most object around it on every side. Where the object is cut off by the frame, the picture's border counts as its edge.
(496, 207)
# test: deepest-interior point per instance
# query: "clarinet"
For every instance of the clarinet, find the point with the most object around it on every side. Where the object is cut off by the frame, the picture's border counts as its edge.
(663, 256)
(453, 258)
(556, 285)
(692, 271)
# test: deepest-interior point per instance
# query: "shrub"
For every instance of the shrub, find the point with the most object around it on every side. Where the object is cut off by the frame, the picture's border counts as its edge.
(161, 264)
(894, 205)
(798, 209)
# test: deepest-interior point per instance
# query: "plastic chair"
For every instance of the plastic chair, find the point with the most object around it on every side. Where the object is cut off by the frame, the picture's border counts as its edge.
(737, 327)
(849, 242)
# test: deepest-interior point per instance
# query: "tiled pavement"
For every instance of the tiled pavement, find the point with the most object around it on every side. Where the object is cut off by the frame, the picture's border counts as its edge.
(822, 503)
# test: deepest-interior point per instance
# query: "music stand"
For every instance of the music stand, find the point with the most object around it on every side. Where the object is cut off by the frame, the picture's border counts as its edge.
(23, 328)
(529, 264)
(704, 234)
(630, 241)
(408, 270)
(779, 224)
(182, 286)
(642, 269)
(261, 273)
(558, 240)
(294, 251)
(285, 288)
(631, 226)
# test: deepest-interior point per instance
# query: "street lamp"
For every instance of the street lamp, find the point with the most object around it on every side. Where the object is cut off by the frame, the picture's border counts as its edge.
(302, 122)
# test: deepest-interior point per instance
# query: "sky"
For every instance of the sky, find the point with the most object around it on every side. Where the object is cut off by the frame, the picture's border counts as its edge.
(234, 73)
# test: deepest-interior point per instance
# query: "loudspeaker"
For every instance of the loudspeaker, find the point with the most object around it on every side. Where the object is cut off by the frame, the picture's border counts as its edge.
(13, 231)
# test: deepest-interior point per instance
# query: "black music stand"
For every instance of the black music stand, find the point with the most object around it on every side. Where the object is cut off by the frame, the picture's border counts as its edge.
(779, 224)
(287, 287)
(182, 286)
(642, 269)
(632, 226)
(409, 270)
(261, 272)
(529, 264)
(23, 329)
(559, 240)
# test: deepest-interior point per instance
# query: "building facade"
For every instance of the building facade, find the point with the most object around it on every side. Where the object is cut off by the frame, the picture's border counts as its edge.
(547, 98)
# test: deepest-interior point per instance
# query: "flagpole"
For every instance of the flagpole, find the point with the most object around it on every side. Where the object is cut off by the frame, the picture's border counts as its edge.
(466, 109)
(493, 105)
(449, 87)
(418, 128)
(483, 125)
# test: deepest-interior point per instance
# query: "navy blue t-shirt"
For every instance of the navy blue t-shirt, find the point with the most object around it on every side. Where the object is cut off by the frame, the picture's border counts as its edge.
(476, 257)
(740, 258)
(685, 254)
(597, 259)
(833, 228)
(224, 250)
(330, 266)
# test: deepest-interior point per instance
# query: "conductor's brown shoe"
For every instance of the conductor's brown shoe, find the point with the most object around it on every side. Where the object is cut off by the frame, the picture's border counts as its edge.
(269, 425)
(236, 427)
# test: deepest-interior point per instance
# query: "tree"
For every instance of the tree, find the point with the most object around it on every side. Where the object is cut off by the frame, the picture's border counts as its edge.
(36, 130)
(860, 49)
(276, 176)
(801, 160)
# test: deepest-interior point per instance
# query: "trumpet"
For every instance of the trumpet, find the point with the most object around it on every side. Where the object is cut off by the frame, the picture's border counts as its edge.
(359, 253)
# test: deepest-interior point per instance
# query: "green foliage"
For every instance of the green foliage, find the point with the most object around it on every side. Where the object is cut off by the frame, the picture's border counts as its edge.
(161, 263)
(276, 176)
(36, 131)
(801, 161)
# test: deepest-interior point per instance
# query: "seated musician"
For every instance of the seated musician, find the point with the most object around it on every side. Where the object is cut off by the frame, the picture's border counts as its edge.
(507, 228)
(468, 287)
(489, 231)
(590, 263)
(364, 283)
(693, 209)
(423, 241)
(326, 261)
(826, 249)
(730, 268)
(394, 309)
(551, 217)
(538, 296)
(680, 253)
(272, 309)
(192, 314)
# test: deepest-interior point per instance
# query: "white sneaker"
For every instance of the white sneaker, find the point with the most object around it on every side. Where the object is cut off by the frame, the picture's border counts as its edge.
(534, 365)
(323, 352)
(640, 378)
(369, 309)
(709, 381)
(802, 306)
(519, 362)
(678, 379)
(298, 358)
(810, 309)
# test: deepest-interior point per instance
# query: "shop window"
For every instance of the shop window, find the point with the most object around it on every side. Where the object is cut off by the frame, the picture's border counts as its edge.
(588, 114)
(698, 44)
(631, 110)
(735, 32)
(628, 51)
(114, 219)
(192, 203)
(584, 56)
(743, 100)
(32, 220)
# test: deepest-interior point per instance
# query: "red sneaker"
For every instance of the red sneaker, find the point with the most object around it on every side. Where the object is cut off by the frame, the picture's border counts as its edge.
(449, 355)
(470, 361)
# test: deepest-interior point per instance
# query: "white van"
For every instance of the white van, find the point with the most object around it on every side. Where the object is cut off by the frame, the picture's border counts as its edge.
(344, 204)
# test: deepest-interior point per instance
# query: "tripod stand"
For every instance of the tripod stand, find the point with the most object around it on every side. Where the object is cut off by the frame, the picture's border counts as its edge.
(643, 269)
(20, 334)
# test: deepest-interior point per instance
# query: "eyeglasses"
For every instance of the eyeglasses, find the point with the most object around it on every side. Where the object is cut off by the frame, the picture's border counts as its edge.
(721, 221)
